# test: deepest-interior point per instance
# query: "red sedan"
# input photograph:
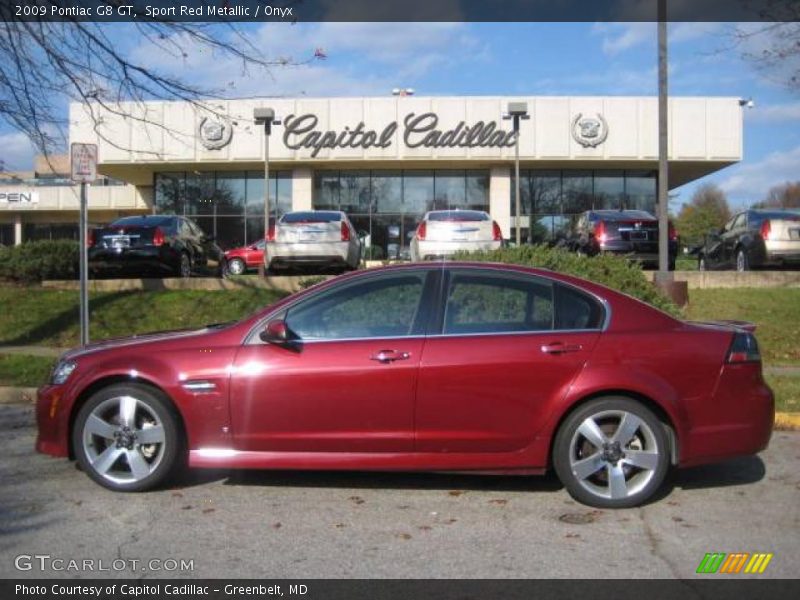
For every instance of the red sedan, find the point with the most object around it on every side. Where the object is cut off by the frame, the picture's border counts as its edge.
(240, 260)
(456, 367)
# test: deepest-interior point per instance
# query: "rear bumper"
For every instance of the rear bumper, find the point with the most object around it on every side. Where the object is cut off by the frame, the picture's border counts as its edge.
(317, 253)
(431, 249)
(782, 253)
(133, 259)
(646, 252)
(738, 420)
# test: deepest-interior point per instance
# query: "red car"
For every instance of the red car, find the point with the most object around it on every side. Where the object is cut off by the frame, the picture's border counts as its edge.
(451, 367)
(240, 260)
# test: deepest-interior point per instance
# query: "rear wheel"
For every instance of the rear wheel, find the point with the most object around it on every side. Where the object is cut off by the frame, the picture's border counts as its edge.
(126, 438)
(611, 453)
(185, 266)
(742, 262)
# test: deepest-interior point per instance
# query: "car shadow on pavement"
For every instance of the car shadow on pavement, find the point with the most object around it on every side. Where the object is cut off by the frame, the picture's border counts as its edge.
(372, 480)
(739, 471)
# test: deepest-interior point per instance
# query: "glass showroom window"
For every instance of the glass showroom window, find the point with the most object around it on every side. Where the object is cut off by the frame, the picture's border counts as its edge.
(640, 191)
(609, 189)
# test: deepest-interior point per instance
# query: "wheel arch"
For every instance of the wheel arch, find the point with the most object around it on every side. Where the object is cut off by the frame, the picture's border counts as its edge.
(110, 380)
(650, 403)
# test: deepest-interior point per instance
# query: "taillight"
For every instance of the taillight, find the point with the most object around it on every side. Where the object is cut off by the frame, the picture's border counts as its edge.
(158, 237)
(345, 232)
(672, 233)
(766, 229)
(744, 348)
(600, 232)
(421, 231)
(497, 233)
(271, 232)
(90, 239)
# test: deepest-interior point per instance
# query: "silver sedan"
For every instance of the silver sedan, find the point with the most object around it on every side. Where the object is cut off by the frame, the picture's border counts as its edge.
(442, 233)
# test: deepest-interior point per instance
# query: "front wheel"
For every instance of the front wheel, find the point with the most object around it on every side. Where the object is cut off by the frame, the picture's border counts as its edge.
(611, 453)
(701, 264)
(126, 438)
(236, 266)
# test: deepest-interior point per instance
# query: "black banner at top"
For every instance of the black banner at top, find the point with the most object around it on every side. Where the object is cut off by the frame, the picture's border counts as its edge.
(261, 11)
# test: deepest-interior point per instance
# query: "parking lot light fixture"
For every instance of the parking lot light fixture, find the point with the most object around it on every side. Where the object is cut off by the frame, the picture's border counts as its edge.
(517, 111)
(265, 116)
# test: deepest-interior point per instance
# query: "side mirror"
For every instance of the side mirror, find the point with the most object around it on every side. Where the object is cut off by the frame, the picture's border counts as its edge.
(276, 332)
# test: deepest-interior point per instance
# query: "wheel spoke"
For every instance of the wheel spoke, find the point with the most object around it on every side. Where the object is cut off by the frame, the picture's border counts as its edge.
(588, 466)
(593, 433)
(127, 411)
(97, 426)
(151, 435)
(643, 460)
(106, 459)
(139, 466)
(628, 427)
(616, 481)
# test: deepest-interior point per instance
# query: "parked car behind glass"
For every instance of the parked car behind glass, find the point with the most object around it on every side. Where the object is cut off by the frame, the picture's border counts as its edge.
(442, 233)
(423, 366)
(318, 238)
(151, 244)
(754, 239)
(630, 232)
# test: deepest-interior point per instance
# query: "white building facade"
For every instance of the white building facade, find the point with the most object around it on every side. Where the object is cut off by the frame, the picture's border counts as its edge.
(387, 160)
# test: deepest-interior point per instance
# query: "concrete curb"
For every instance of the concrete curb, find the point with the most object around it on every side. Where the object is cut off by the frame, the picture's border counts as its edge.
(787, 421)
(17, 395)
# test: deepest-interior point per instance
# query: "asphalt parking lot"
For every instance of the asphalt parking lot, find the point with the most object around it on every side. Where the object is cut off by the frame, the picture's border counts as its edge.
(315, 525)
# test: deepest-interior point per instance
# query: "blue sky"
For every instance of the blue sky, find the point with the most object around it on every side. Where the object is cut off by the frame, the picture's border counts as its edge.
(499, 59)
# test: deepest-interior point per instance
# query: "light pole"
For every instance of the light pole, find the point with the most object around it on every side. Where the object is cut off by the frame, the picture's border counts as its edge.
(517, 111)
(265, 116)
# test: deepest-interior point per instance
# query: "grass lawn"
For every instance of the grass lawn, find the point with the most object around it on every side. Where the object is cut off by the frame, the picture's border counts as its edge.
(686, 263)
(787, 392)
(24, 371)
(775, 311)
(33, 316)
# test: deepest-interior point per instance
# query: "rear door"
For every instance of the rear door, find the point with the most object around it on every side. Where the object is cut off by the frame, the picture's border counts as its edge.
(508, 347)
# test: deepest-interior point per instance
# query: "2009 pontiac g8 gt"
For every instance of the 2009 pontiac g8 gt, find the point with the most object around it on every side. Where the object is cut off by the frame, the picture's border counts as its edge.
(457, 367)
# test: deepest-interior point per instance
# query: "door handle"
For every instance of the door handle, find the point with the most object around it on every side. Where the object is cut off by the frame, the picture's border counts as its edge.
(560, 348)
(387, 356)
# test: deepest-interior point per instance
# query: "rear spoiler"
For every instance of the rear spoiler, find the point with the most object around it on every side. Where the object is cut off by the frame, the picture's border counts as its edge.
(743, 325)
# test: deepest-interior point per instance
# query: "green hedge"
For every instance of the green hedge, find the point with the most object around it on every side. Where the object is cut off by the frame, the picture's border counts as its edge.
(612, 271)
(36, 261)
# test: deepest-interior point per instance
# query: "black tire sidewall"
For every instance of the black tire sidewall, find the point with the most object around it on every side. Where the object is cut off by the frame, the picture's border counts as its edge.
(169, 419)
(573, 421)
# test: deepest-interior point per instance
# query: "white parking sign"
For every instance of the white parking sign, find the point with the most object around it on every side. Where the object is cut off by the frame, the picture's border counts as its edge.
(84, 162)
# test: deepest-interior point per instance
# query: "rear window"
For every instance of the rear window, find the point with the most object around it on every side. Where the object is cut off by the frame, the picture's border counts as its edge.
(757, 217)
(623, 215)
(458, 215)
(319, 216)
(145, 221)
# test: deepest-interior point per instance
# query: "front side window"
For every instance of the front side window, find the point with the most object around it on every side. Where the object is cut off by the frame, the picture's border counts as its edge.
(488, 303)
(385, 306)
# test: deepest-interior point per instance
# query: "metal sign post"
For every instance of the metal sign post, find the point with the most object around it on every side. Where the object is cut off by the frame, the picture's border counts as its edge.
(84, 170)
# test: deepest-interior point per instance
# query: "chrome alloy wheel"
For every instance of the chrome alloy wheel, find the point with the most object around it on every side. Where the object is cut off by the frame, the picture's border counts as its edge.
(124, 440)
(236, 267)
(614, 454)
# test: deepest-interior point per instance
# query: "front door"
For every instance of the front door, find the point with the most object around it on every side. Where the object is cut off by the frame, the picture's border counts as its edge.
(347, 383)
(510, 345)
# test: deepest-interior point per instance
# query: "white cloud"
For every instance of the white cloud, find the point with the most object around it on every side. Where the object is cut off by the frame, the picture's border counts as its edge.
(620, 37)
(16, 151)
(750, 182)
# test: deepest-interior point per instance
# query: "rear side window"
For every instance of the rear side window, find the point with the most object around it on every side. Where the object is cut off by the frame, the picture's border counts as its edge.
(576, 310)
(488, 303)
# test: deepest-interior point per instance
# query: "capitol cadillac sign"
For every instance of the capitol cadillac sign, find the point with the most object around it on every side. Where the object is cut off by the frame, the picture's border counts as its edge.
(301, 132)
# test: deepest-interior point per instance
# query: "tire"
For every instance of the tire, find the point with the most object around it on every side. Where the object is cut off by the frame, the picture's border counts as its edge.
(104, 448)
(701, 264)
(742, 262)
(236, 266)
(588, 469)
(185, 266)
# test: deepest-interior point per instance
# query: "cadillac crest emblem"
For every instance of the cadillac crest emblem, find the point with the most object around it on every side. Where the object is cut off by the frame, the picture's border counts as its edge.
(589, 132)
(214, 132)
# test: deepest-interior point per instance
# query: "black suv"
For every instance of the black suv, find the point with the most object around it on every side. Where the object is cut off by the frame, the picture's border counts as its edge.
(160, 244)
(753, 239)
(630, 232)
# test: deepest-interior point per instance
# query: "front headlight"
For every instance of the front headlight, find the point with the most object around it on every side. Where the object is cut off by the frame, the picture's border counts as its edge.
(62, 371)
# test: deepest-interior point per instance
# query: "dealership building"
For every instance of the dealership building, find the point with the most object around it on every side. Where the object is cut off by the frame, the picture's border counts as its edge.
(382, 160)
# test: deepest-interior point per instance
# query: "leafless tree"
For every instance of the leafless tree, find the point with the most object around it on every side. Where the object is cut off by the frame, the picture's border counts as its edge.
(785, 195)
(43, 64)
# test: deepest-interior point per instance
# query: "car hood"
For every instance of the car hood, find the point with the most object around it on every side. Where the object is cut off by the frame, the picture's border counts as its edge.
(135, 340)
